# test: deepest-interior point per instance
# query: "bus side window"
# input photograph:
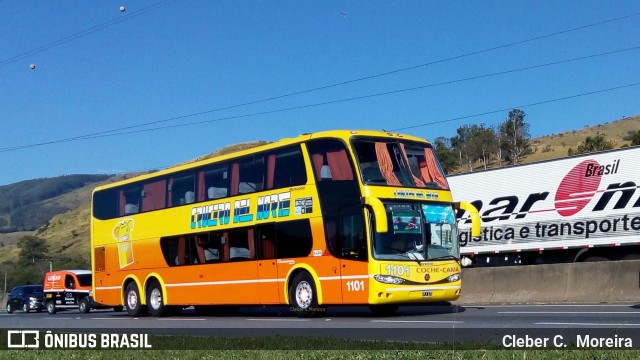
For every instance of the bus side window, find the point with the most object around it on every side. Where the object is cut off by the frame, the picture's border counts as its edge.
(241, 244)
(286, 168)
(251, 174)
(130, 200)
(208, 247)
(216, 181)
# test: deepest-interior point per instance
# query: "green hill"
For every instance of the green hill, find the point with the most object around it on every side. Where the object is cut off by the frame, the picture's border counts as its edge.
(28, 205)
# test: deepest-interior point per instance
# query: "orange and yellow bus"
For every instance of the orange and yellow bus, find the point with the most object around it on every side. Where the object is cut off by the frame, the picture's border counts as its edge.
(336, 217)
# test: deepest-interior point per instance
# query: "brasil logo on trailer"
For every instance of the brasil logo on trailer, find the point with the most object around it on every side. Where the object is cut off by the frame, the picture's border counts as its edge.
(580, 185)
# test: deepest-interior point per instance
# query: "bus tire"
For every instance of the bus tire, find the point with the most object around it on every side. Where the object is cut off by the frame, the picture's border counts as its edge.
(51, 307)
(383, 309)
(83, 306)
(155, 302)
(303, 296)
(132, 300)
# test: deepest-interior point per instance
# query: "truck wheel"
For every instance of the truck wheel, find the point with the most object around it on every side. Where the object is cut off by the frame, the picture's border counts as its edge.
(132, 300)
(155, 302)
(83, 306)
(9, 308)
(25, 307)
(51, 307)
(303, 296)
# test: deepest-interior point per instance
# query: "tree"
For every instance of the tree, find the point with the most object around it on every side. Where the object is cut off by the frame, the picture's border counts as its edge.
(484, 142)
(32, 249)
(515, 136)
(592, 144)
(446, 154)
(464, 145)
(634, 137)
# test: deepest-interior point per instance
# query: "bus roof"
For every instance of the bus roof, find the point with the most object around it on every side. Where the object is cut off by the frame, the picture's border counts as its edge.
(341, 134)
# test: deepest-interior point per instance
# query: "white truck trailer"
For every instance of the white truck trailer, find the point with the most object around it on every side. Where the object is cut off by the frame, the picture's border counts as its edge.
(580, 208)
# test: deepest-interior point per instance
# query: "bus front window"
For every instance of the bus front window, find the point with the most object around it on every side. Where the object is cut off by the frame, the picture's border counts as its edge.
(398, 163)
(418, 231)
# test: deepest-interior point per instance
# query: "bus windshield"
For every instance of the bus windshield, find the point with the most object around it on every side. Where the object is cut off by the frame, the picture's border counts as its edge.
(417, 232)
(398, 163)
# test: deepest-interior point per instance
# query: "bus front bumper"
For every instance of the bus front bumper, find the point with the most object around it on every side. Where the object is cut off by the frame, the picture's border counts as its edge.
(400, 294)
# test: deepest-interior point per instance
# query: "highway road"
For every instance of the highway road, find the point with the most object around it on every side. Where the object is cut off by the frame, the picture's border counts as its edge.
(434, 323)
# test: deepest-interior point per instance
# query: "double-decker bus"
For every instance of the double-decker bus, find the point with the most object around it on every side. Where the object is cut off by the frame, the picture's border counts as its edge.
(336, 217)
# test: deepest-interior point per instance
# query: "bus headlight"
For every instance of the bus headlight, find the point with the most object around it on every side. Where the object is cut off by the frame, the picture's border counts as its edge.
(454, 277)
(388, 279)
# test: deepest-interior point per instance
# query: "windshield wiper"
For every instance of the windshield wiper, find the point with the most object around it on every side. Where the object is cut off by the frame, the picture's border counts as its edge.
(446, 257)
(413, 256)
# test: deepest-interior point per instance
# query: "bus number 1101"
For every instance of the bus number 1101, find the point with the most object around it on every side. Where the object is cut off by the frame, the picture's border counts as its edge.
(397, 270)
(355, 285)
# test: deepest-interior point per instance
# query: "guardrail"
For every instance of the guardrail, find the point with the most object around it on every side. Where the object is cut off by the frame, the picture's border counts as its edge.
(593, 282)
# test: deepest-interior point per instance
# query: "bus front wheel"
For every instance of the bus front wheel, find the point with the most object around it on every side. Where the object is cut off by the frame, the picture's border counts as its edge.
(303, 296)
(155, 302)
(132, 300)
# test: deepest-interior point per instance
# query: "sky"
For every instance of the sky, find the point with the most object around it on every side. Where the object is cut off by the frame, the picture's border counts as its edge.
(166, 81)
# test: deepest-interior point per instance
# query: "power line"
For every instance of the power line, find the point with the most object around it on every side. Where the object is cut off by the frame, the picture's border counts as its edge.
(508, 108)
(85, 32)
(91, 135)
(519, 106)
(122, 132)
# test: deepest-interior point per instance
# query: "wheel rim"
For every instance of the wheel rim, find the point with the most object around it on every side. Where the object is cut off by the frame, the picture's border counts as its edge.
(132, 300)
(155, 298)
(25, 307)
(304, 294)
(83, 306)
(50, 307)
(9, 308)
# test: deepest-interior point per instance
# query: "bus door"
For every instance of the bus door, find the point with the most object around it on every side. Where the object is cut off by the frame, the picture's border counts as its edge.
(353, 256)
(267, 268)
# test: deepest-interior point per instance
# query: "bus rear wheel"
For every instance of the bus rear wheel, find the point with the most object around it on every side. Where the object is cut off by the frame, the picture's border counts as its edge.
(155, 302)
(133, 301)
(303, 296)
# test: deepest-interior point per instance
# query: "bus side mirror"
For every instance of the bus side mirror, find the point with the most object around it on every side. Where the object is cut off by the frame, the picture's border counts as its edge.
(473, 214)
(379, 212)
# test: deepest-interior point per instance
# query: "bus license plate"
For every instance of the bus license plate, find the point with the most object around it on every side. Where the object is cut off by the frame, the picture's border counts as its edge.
(426, 294)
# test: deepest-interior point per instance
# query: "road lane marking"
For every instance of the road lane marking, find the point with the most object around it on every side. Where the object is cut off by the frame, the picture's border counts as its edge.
(585, 324)
(419, 321)
(570, 312)
(183, 319)
(543, 305)
(278, 319)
